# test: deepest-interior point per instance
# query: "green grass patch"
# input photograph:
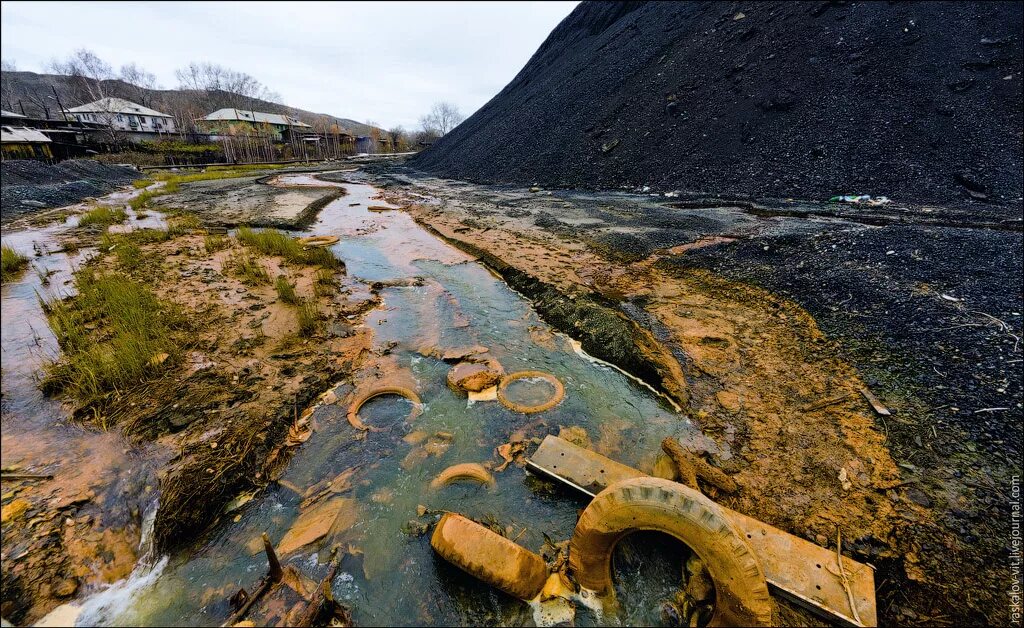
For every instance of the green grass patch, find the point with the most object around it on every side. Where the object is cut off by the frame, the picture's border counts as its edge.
(114, 334)
(103, 216)
(214, 243)
(142, 183)
(286, 291)
(13, 262)
(172, 181)
(323, 283)
(248, 270)
(309, 318)
(183, 224)
(279, 244)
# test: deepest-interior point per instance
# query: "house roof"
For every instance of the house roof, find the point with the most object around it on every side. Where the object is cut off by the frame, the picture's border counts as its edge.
(10, 114)
(245, 115)
(117, 105)
(21, 134)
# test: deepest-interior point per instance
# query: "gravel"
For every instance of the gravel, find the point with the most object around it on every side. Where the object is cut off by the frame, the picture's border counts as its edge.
(32, 185)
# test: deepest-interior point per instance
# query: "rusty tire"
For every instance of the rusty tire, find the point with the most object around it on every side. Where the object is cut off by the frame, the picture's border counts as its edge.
(357, 403)
(655, 504)
(517, 407)
(489, 556)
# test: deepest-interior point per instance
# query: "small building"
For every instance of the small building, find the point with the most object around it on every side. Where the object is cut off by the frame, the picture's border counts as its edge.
(230, 121)
(137, 122)
(22, 142)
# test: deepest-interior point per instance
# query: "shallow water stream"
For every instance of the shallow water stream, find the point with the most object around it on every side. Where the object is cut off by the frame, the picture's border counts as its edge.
(435, 298)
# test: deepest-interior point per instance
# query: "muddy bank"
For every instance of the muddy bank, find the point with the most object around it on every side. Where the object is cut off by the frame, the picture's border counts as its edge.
(259, 201)
(587, 316)
(909, 490)
(217, 408)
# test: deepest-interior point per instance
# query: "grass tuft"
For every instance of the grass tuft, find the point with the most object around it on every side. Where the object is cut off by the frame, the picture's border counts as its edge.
(248, 270)
(114, 333)
(12, 262)
(309, 318)
(324, 284)
(285, 290)
(103, 216)
(214, 243)
(280, 244)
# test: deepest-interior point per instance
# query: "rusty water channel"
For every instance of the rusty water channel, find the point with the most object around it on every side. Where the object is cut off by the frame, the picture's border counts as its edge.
(433, 296)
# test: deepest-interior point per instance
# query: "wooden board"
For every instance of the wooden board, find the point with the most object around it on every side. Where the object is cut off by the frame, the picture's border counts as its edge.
(795, 569)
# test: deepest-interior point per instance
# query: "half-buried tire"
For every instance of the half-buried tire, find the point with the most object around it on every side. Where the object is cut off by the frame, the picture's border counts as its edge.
(741, 593)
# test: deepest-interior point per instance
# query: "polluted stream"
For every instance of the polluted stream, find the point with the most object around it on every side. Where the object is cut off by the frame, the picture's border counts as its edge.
(435, 302)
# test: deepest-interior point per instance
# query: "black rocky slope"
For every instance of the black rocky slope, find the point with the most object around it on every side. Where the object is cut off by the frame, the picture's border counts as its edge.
(920, 102)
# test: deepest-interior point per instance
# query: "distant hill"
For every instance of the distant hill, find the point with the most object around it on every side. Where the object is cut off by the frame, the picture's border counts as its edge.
(35, 93)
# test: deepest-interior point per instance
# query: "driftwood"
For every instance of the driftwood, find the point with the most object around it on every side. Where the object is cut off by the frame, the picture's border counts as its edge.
(274, 573)
(691, 468)
(322, 595)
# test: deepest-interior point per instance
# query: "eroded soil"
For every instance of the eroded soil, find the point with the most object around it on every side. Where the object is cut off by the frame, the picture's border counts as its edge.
(780, 398)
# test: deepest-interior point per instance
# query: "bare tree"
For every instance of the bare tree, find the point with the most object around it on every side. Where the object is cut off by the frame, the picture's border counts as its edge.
(87, 72)
(6, 83)
(229, 87)
(399, 138)
(442, 118)
(140, 83)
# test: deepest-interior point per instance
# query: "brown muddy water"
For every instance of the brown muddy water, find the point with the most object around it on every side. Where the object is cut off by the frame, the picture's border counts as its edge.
(435, 298)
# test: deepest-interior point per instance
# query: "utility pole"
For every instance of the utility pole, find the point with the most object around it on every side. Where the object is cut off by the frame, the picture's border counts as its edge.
(57, 98)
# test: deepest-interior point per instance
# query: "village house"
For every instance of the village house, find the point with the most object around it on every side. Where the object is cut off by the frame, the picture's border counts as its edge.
(20, 142)
(138, 123)
(230, 121)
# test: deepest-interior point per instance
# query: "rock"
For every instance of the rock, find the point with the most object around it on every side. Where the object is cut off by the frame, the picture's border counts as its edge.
(14, 510)
(471, 377)
(729, 401)
(314, 524)
(65, 588)
(665, 468)
(31, 203)
(575, 435)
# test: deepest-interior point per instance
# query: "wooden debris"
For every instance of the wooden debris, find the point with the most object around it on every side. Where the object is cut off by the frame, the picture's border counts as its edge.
(692, 467)
(875, 402)
(825, 403)
(25, 476)
(274, 573)
(323, 601)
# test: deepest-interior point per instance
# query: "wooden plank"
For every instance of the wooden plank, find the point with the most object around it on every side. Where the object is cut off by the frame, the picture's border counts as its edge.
(795, 569)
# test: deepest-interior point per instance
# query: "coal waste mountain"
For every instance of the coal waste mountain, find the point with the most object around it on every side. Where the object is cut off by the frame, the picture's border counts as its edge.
(920, 102)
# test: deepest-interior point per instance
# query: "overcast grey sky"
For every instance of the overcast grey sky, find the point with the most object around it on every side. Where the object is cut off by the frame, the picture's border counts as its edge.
(381, 61)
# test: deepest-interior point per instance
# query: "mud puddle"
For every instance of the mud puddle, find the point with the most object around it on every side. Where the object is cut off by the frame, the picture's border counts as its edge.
(437, 302)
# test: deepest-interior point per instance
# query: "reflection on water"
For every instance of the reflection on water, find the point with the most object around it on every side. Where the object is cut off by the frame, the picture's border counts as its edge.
(435, 298)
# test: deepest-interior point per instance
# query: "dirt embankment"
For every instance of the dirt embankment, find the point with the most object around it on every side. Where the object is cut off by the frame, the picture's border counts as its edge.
(29, 185)
(917, 101)
(255, 201)
(225, 400)
(724, 289)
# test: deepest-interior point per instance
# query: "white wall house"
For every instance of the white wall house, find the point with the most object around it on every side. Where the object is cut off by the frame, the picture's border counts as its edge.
(124, 115)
